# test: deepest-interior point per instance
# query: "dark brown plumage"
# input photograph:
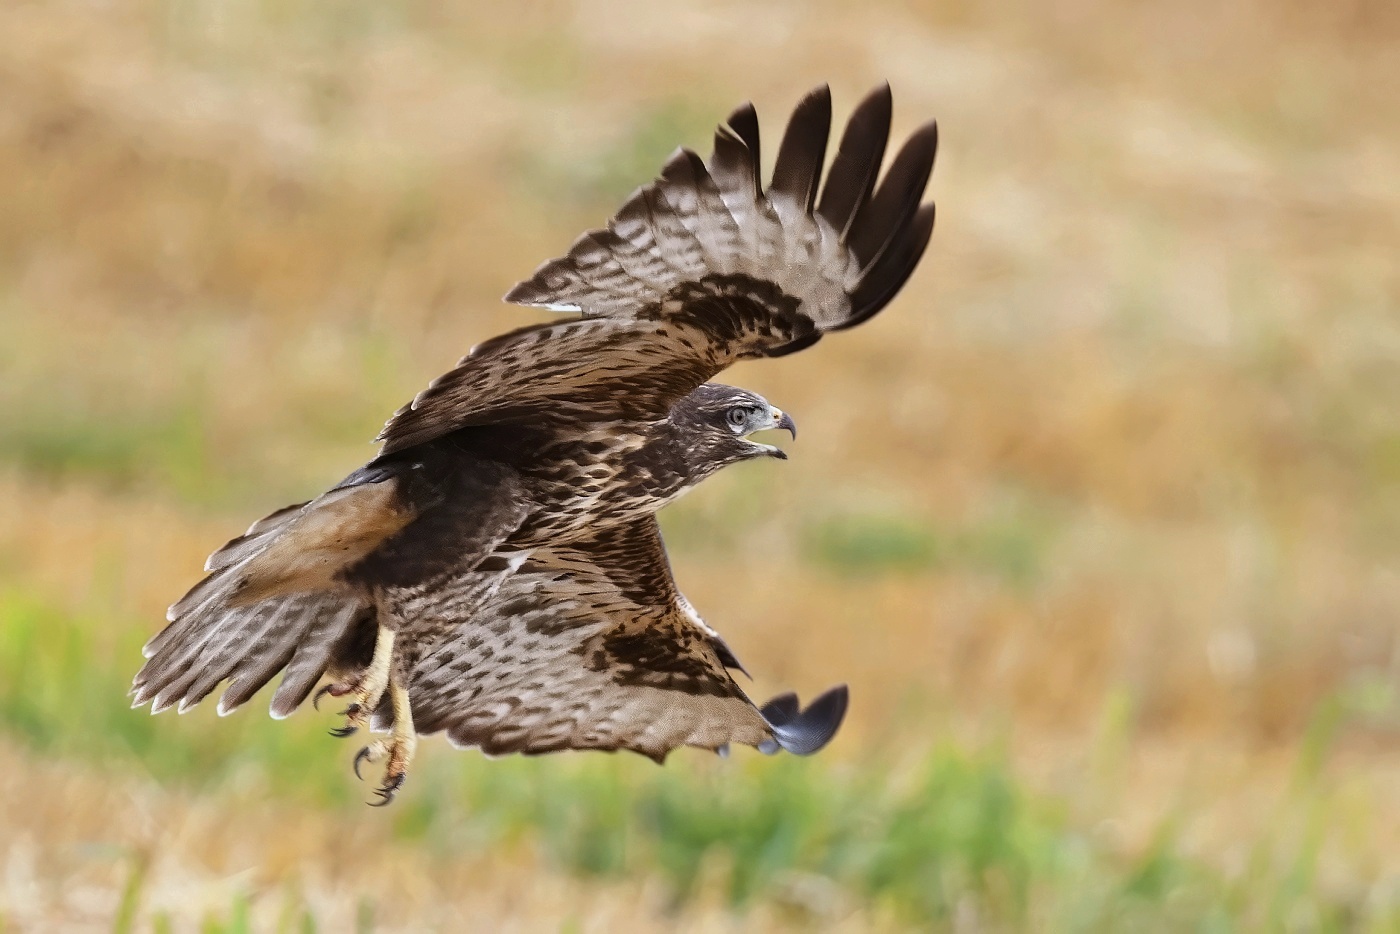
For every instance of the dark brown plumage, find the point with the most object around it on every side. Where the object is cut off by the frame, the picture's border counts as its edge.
(496, 572)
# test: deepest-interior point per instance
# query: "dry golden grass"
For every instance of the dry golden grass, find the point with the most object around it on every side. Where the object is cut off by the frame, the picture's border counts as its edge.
(1126, 451)
(74, 851)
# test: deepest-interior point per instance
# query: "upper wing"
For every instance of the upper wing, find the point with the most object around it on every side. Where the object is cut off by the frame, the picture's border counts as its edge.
(698, 269)
(590, 646)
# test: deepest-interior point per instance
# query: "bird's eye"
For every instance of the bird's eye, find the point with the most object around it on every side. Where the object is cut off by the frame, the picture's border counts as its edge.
(738, 417)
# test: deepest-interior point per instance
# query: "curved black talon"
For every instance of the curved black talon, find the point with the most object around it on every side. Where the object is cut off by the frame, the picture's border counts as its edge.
(341, 732)
(320, 693)
(388, 790)
(360, 756)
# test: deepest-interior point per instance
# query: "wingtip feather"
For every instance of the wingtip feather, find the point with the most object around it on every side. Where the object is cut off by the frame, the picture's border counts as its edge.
(809, 731)
(781, 709)
(851, 179)
(884, 281)
(879, 220)
(803, 149)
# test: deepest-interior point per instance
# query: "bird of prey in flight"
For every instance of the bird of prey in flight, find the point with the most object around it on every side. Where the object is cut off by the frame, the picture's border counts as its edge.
(496, 572)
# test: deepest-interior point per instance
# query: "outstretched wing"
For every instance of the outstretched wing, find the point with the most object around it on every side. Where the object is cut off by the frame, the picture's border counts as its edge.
(591, 646)
(699, 269)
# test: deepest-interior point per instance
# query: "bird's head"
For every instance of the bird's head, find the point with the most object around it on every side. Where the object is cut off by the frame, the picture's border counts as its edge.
(714, 422)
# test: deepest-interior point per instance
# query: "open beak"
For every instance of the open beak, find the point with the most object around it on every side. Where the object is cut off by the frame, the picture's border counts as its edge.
(783, 420)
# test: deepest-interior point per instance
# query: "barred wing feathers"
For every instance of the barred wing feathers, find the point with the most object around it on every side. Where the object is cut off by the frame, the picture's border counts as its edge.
(275, 598)
(591, 646)
(699, 269)
(223, 629)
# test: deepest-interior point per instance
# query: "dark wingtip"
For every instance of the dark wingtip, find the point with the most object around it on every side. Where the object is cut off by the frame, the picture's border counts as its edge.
(897, 198)
(803, 149)
(880, 285)
(744, 124)
(781, 709)
(851, 179)
(809, 731)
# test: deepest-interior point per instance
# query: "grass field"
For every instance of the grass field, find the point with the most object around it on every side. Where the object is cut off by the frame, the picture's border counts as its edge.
(1100, 520)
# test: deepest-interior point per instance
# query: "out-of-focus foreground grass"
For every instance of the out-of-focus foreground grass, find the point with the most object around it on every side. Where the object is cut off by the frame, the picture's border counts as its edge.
(1100, 520)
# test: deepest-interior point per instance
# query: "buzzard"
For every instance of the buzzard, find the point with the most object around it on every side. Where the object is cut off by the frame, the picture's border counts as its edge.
(496, 572)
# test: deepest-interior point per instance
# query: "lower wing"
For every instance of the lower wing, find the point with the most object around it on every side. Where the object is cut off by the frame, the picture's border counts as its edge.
(591, 646)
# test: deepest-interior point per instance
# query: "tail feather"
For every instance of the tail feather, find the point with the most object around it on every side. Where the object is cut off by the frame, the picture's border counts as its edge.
(247, 646)
(217, 634)
(185, 612)
(197, 634)
(323, 642)
(271, 655)
(225, 657)
(258, 535)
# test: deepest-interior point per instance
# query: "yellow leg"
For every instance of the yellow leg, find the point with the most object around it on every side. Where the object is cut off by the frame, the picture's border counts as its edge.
(366, 693)
(397, 748)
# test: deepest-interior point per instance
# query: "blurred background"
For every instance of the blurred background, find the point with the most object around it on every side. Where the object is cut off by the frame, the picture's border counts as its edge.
(1100, 519)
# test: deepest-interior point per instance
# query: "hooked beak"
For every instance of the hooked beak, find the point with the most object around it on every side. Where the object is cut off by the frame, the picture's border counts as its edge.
(783, 420)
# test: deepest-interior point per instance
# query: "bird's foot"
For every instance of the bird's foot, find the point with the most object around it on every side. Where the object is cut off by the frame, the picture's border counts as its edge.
(365, 691)
(364, 697)
(397, 749)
